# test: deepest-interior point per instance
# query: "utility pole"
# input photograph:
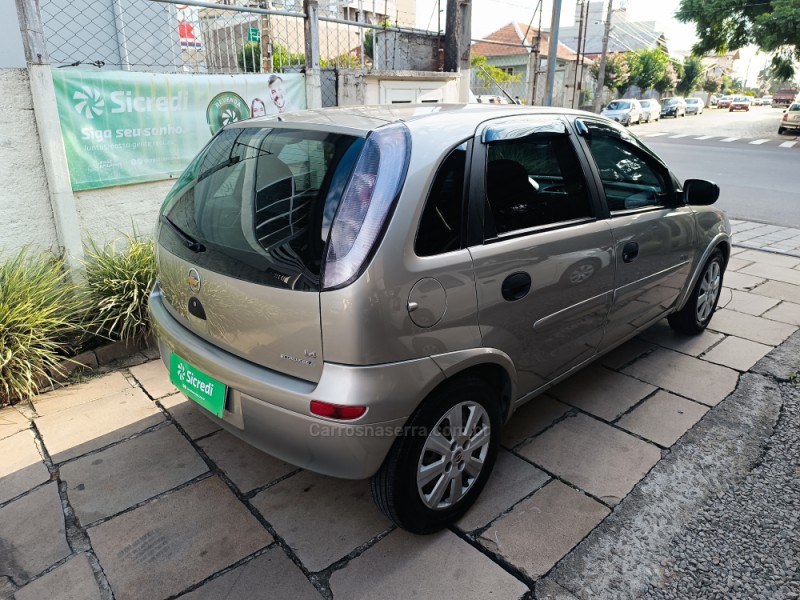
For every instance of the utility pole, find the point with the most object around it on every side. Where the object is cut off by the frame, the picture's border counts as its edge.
(552, 53)
(579, 61)
(457, 37)
(601, 76)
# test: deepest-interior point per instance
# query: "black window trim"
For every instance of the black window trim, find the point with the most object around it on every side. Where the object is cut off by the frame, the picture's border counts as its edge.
(510, 235)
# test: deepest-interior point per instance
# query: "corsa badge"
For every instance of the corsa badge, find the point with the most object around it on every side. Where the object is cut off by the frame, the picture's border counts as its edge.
(193, 280)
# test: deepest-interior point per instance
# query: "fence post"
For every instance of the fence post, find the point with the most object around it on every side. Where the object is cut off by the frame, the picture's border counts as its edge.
(45, 112)
(311, 31)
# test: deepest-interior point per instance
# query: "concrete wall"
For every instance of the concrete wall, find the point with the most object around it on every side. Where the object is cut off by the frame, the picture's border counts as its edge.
(374, 87)
(25, 212)
(110, 213)
(404, 51)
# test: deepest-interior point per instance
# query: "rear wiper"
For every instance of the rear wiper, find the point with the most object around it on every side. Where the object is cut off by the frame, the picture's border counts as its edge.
(188, 241)
(231, 161)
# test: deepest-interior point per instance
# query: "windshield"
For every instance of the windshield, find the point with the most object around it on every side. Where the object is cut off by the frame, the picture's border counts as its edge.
(618, 105)
(740, 99)
(692, 101)
(645, 103)
(257, 204)
(671, 102)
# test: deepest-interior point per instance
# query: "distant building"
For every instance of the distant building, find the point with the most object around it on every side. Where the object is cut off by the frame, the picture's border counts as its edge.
(625, 35)
(717, 65)
(511, 49)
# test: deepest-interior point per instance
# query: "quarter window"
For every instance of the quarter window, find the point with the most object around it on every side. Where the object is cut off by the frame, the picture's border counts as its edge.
(631, 178)
(440, 225)
(532, 182)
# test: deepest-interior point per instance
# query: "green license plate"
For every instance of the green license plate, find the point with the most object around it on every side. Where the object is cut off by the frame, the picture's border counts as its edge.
(206, 391)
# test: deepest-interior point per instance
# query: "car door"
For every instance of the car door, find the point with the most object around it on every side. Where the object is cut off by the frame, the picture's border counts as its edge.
(544, 267)
(654, 232)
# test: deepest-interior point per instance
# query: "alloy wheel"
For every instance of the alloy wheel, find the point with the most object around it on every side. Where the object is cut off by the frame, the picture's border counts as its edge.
(709, 291)
(454, 455)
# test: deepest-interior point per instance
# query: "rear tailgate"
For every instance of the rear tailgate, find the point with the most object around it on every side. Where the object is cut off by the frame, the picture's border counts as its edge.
(241, 242)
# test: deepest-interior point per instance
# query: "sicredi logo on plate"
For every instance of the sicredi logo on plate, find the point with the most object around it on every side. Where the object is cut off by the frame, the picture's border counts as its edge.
(188, 378)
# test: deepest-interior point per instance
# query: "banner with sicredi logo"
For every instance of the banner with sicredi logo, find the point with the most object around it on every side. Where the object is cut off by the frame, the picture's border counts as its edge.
(124, 127)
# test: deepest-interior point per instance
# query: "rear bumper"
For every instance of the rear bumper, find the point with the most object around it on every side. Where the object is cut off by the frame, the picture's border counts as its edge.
(271, 411)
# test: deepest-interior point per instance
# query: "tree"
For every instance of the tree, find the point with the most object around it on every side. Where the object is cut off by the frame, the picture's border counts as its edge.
(489, 74)
(369, 43)
(692, 74)
(617, 71)
(725, 25)
(712, 84)
(647, 67)
(669, 80)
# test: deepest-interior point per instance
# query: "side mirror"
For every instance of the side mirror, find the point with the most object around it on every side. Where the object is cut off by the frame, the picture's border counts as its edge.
(700, 192)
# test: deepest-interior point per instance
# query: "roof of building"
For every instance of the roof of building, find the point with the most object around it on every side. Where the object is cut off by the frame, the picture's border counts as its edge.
(518, 39)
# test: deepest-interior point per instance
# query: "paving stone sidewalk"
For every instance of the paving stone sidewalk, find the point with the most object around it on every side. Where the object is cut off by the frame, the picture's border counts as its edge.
(772, 238)
(120, 488)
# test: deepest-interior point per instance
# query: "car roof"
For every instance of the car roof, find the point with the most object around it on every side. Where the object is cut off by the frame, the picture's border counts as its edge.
(360, 120)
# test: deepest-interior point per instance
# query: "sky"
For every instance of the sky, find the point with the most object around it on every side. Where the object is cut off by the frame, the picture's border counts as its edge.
(490, 15)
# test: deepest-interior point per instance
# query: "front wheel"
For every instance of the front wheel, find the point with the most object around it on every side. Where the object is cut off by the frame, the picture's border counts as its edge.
(696, 314)
(437, 468)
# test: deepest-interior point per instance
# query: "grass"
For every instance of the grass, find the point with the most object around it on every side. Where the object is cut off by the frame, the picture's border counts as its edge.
(119, 278)
(40, 315)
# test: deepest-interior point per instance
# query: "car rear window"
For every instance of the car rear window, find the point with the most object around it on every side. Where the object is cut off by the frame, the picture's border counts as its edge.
(259, 203)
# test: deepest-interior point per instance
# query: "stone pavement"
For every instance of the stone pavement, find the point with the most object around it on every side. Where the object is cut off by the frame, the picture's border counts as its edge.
(772, 238)
(120, 488)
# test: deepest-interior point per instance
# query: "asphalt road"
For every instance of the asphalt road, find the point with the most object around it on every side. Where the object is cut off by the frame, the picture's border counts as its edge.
(756, 168)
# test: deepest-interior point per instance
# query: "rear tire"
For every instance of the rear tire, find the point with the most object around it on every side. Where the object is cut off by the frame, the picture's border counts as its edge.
(438, 467)
(696, 314)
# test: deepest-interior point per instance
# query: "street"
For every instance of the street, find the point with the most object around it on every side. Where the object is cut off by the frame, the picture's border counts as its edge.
(740, 151)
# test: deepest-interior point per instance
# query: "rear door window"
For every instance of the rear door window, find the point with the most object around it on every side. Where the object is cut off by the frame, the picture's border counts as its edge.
(534, 181)
(260, 203)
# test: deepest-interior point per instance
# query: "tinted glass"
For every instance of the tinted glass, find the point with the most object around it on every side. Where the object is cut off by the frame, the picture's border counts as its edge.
(440, 225)
(534, 181)
(794, 107)
(631, 178)
(261, 202)
(645, 103)
(618, 105)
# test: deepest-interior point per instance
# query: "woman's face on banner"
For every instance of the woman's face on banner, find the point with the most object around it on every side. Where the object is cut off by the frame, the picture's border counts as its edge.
(258, 108)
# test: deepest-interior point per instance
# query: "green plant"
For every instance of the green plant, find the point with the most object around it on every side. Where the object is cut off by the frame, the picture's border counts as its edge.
(118, 282)
(249, 58)
(40, 313)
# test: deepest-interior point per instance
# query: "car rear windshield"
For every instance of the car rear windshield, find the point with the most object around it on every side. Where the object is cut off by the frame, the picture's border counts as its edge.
(257, 204)
(619, 105)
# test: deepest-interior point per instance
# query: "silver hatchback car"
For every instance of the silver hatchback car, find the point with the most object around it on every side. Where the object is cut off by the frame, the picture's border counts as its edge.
(372, 292)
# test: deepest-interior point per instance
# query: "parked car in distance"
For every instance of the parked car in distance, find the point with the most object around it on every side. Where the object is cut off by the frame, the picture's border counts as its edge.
(490, 99)
(784, 97)
(766, 100)
(712, 101)
(694, 106)
(373, 291)
(651, 110)
(673, 107)
(627, 111)
(724, 102)
(791, 119)
(739, 103)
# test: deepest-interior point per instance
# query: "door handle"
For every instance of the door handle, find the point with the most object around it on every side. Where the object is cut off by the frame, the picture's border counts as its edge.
(516, 286)
(630, 251)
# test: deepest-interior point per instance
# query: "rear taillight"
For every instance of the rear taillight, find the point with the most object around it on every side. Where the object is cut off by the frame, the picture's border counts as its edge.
(366, 204)
(785, 117)
(336, 411)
